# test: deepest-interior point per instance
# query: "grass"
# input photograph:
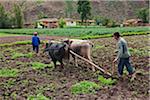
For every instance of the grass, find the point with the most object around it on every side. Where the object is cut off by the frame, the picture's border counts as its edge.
(98, 47)
(84, 87)
(5, 34)
(106, 82)
(110, 35)
(9, 50)
(8, 72)
(9, 83)
(139, 52)
(16, 43)
(39, 96)
(38, 65)
(19, 55)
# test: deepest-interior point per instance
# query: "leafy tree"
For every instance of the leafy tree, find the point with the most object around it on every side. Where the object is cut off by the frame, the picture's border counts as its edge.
(143, 14)
(61, 23)
(5, 21)
(42, 15)
(2, 16)
(84, 9)
(69, 8)
(18, 16)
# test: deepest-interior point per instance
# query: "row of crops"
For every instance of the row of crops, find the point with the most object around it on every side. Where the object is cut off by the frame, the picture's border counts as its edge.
(76, 31)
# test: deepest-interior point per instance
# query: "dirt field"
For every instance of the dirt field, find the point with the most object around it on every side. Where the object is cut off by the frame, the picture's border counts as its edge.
(55, 83)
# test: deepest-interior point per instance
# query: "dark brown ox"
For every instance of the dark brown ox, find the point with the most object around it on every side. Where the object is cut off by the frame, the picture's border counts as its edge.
(57, 52)
(81, 47)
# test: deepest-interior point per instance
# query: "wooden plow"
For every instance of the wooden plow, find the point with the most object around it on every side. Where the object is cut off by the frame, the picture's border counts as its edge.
(90, 63)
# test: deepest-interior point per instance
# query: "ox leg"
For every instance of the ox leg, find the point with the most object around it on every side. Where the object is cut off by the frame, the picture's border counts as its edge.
(75, 60)
(54, 61)
(61, 62)
(68, 60)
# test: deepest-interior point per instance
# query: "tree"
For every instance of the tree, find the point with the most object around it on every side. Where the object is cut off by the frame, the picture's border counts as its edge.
(18, 16)
(84, 9)
(62, 23)
(42, 15)
(69, 8)
(5, 21)
(2, 16)
(143, 14)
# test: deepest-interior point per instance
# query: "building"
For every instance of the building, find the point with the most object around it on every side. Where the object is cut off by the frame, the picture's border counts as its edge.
(133, 22)
(47, 23)
(70, 22)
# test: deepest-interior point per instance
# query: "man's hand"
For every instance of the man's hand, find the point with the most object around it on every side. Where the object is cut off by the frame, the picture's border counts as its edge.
(115, 60)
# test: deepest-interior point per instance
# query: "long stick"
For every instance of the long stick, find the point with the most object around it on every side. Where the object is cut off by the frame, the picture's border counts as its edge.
(90, 63)
(113, 68)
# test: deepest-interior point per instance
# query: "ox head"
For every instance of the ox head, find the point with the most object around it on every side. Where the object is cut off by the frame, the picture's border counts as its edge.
(68, 42)
(56, 45)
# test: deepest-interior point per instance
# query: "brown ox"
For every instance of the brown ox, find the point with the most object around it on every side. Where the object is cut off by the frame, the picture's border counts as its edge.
(81, 47)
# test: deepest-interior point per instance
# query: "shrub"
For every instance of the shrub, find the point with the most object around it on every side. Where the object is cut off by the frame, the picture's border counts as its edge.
(61, 23)
(111, 23)
(84, 87)
(143, 14)
(105, 81)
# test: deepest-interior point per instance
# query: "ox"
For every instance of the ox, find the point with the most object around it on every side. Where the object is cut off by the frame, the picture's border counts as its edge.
(80, 47)
(57, 52)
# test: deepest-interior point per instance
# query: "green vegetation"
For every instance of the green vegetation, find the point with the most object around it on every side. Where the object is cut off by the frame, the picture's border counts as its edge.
(78, 32)
(38, 97)
(5, 21)
(139, 52)
(9, 83)
(18, 16)
(84, 9)
(84, 87)
(98, 47)
(103, 21)
(107, 82)
(6, 34)
(61, 23)
(46, 87)
(15, 43)
(143, 14)
(110, 35)
(38, 65)
(18, 55)
(9, 50)
(8, 72)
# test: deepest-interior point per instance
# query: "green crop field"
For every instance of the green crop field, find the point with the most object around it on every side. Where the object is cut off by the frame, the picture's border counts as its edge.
(76, 32)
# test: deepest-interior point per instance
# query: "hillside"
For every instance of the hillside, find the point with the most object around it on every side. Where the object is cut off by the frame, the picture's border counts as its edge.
(117, 10)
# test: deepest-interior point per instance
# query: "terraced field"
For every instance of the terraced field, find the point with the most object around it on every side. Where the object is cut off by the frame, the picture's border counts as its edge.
(25, 75)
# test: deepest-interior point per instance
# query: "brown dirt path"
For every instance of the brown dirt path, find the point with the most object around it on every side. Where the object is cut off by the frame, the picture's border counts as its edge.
(9, 39)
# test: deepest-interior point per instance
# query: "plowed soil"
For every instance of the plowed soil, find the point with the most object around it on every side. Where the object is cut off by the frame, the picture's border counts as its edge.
(56, 83)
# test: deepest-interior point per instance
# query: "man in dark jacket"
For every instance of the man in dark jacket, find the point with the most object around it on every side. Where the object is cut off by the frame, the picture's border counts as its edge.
(35, 42)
